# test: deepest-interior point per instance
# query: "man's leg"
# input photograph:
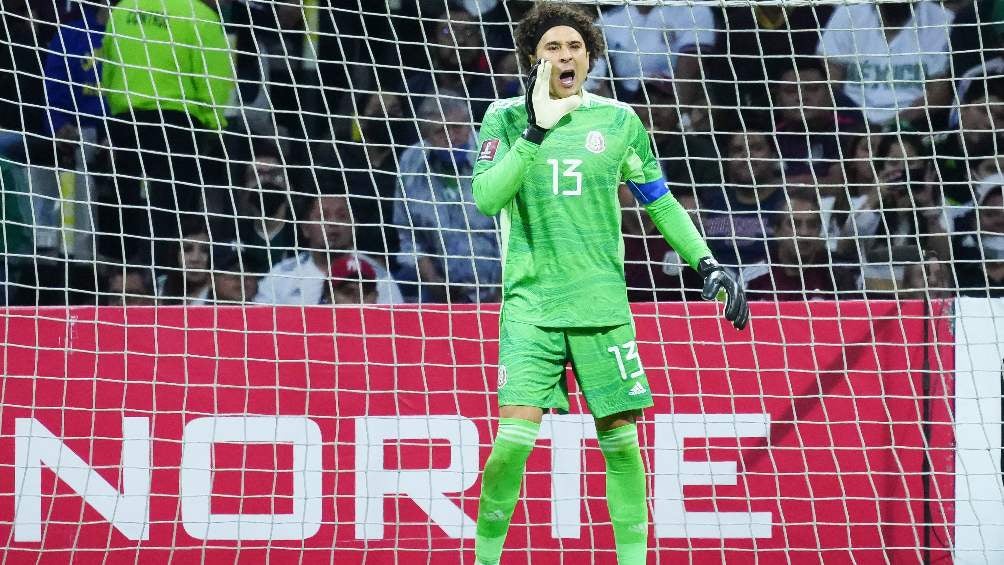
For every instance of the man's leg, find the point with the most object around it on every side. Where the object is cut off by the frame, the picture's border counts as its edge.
(612, 379)
(531, 378)
(626, 496)
(502, 477)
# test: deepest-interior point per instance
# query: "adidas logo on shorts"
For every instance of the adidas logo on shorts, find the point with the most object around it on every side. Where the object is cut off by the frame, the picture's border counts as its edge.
(637, 389)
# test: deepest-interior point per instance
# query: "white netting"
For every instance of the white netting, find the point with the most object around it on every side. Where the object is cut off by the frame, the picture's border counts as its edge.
(835, 154)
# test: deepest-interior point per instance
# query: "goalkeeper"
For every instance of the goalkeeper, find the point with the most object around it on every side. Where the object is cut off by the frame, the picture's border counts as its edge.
(551, 165)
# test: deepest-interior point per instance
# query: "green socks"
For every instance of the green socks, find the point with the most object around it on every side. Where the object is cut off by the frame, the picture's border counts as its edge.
(500, 484)
(503, 475)
(626, 493)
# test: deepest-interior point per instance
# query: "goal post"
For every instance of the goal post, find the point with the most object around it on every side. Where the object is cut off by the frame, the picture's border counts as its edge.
(252, 312)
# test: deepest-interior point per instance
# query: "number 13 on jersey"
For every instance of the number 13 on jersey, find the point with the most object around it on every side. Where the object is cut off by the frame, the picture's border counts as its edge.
(569, 171)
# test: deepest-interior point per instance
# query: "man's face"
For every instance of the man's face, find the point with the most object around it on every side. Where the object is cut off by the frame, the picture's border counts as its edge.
(265, 169)
(992, 212)
(862, 167)
(751, 160)
(800, 234)
(458, 39)
(566, 50)
(454, 133)
(804, 97)
(195, 258)
(235, 287)
(328, 226)
(661, 108)
(354, 292)
(129, 291)
(981, 120)
(897, 169)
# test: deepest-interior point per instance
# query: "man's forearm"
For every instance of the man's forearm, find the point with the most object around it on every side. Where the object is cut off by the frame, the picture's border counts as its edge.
(676, 226)
(497, 186)
(688, 85)
(937, 97)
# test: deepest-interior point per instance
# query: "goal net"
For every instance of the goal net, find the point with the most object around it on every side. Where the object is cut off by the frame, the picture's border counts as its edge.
(251, 310)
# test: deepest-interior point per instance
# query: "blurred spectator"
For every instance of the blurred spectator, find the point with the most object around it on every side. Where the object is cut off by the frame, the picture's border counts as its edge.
(507, 77)
(889, 56)
(739, 218)
(977, 35)
(860, 165)
(352, 282)
(653, 270)
(15, 230)
(367, 50)
(970, 154)
(798, 267)
(655, 42)
(266, 228)
(54, 281)
(368, 165)
(75, 123)
(457, 63)
(979, 247)
(72, 73)
(269, 102)
(187, 280)
(453, 247)
(811, 134)
(161, 125)
(24, 29)
(127, 286)
(235, 275)
(837, 204)
(756, 39)
(901, 209)
(926, 276)
(992, 68)
(328, 234)
(267, 40)
(688, 158)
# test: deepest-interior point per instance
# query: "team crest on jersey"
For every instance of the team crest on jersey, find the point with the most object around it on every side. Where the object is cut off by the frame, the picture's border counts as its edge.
(595, 142)
(503, 378)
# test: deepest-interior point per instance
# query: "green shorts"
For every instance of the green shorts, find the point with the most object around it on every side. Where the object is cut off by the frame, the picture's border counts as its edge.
(532, 362)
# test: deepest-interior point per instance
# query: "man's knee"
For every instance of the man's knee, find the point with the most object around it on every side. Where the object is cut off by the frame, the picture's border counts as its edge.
(613, 421)
(529, 413)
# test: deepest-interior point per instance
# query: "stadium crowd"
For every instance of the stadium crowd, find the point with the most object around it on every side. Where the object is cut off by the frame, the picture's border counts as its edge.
(323, 155)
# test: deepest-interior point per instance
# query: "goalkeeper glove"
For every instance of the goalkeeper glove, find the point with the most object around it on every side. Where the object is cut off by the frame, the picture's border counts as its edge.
(718, 280)
(543, 112)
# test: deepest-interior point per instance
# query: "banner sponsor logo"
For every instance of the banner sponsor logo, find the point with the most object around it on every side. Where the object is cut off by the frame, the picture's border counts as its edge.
(362, 432)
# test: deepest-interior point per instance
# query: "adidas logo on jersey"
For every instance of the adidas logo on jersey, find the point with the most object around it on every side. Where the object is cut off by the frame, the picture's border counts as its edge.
(637, 389)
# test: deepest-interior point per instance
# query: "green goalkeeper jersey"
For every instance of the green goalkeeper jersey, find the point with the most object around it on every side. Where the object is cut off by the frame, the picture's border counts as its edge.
(562, 250)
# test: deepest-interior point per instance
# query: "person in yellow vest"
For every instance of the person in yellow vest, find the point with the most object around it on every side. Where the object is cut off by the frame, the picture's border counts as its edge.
(167, 76)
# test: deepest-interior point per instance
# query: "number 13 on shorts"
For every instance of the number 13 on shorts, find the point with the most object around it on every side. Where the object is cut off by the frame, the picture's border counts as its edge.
(626, 355)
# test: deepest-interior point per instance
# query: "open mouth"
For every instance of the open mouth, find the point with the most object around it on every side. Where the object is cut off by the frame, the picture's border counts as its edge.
(567, 78)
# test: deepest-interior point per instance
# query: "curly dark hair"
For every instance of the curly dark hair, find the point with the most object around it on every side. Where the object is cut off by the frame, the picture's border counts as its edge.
(529, 31)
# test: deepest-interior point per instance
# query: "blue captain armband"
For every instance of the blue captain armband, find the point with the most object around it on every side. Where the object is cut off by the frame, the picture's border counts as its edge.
(648, 192)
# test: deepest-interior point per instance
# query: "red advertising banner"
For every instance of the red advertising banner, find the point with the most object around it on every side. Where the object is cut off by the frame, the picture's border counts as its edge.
(344, 435)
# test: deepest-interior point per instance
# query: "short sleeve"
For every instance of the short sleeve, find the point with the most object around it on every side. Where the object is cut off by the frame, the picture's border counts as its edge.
(837, 40)
(935, 32)
(691, 26)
